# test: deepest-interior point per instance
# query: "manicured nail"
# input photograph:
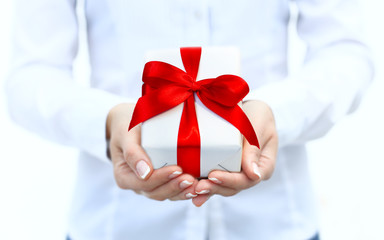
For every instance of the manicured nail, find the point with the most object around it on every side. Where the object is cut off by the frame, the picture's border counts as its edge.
(190, 195)
(215, 180)
(203, 192)
(175, 174)
(185, 184)
(142, 169)
(256, 169)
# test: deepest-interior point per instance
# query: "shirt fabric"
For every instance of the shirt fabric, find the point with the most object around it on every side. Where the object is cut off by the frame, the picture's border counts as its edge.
(44, 98)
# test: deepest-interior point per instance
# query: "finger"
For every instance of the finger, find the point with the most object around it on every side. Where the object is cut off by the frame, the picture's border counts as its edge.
(187, 193)
(237, 181)
(206, 187)
(203, 190)
(173, 189)
(126, 178)
(199, 200)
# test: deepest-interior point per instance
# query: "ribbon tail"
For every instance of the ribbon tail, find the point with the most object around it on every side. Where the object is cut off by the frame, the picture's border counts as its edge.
(236, 117)
(188, 140)
(243, 125)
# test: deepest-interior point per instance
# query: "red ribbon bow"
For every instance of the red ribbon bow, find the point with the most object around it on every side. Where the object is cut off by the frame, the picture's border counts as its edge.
(166, 86)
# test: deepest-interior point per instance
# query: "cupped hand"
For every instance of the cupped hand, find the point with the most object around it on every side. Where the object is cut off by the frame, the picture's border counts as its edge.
(132, 166)
(257, 164)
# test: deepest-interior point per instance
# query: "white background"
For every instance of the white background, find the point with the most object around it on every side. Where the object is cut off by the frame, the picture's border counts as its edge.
(36, 176)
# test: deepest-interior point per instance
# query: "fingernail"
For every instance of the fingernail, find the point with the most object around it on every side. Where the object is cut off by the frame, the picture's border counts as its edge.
(203, 192)
(256, 170)
(190, 195)
(175, 174)
(185, 184)
(215, 180)
(142, 169)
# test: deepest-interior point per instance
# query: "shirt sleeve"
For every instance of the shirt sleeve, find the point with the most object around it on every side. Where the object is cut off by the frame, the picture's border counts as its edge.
(336, 71)
(42, 94)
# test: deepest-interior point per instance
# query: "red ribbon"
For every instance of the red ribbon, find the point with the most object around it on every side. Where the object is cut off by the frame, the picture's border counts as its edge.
(166, 86)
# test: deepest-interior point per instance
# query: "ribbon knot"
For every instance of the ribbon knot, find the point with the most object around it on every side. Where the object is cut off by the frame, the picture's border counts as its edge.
(195, 87)
(166, 86)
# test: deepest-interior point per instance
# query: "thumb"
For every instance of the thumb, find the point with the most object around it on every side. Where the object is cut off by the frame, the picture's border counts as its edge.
(260, 162)
(249, 162)
(135, 156)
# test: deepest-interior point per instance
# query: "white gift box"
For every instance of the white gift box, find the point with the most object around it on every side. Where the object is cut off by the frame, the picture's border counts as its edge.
(221, 142)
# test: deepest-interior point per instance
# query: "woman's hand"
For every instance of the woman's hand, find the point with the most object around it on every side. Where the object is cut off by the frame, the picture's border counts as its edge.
(132, 167)
(257, 164)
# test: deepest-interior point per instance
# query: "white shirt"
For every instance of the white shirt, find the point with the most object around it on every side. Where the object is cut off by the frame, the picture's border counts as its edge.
(44, 98)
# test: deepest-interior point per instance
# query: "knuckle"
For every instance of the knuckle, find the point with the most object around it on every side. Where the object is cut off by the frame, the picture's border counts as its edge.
(178, 197)
(238, 184)
(252, 152)
(121, 184)
(160, 198)
(129, 153)
(174, 198)
(157, 197)
(146, 187)
(229, 193)
(175, 187)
